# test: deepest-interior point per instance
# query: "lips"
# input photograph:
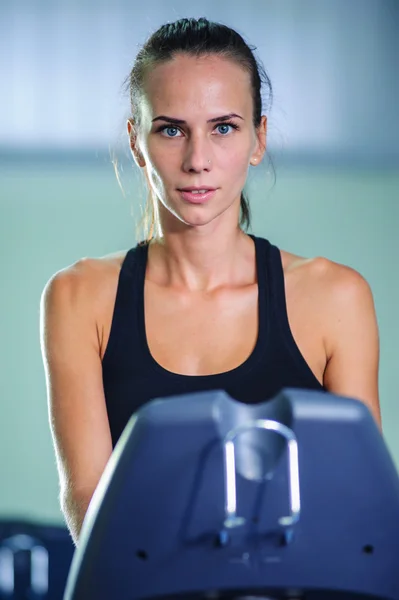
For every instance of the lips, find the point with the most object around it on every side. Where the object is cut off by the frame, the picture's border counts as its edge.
(197, 198)
(196, 189)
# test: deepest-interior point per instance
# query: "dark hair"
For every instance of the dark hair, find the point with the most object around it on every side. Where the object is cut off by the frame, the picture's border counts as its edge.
(196, 37)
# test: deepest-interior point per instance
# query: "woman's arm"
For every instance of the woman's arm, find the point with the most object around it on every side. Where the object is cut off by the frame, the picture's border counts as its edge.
(352, 338)
(75, 393)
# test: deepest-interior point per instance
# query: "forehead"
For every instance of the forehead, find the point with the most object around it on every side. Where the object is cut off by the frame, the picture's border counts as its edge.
(187, 85)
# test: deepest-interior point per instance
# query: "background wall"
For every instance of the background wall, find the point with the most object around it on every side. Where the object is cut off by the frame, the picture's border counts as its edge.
(333, 135)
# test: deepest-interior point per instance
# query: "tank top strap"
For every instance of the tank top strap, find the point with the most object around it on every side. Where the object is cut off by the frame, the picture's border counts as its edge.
(277, 295)
(276, 278)
(280, 328)
(262, 252)
(124, 318)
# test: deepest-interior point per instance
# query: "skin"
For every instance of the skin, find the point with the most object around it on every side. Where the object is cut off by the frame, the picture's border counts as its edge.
(200, 244)
(202, 248)
(200, 289)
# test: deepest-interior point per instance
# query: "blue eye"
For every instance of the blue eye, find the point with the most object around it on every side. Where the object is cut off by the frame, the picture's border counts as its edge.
(232, 125)
(224, 125)
(168, 127)
(176, 129)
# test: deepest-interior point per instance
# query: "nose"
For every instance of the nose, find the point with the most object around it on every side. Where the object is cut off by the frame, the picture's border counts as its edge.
(197, 155)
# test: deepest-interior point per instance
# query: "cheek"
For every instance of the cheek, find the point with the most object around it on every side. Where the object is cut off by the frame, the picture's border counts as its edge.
(160, 166)
(233, 154)
(155, 178)
(234, 165)
(159, 160)
(230, 164)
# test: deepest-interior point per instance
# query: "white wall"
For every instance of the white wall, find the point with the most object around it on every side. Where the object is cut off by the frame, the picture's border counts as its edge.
(333, 66)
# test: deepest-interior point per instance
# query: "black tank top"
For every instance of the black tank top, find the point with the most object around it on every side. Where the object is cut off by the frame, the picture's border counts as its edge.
(132, 377)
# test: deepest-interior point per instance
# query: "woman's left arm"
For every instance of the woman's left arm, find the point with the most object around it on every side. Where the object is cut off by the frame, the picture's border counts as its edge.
(352, 337)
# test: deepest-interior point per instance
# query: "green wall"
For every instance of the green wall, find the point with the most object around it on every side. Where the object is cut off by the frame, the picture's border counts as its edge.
(52, 214)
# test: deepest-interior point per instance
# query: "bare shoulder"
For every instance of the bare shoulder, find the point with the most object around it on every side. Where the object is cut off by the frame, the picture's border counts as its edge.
(339, 285)
(334, 293)
(349, 327)
(89, 273)
(88, 286)
(330, 277)
(90, 267)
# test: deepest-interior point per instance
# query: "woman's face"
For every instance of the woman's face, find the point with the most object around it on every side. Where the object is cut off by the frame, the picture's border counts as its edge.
(203, 150)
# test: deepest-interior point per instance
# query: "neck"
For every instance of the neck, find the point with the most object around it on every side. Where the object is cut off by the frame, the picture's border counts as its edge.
(198, 261)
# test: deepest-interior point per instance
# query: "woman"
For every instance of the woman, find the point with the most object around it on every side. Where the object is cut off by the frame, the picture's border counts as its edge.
(200, 304)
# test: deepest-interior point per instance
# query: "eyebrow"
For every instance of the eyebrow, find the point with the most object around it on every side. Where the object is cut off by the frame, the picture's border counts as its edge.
(182, 122)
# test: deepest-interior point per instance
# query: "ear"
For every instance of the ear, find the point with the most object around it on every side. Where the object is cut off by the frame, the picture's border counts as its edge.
(136, 153)
(260, 148)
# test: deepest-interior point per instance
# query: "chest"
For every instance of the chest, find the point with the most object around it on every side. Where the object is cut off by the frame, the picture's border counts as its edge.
(214, 333)
(201, 334)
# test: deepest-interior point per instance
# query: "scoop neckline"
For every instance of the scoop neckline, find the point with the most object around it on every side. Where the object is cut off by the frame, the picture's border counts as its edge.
(258, 349)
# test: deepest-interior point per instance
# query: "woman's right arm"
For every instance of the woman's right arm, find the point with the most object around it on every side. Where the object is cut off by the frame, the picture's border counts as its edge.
(75, 394)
